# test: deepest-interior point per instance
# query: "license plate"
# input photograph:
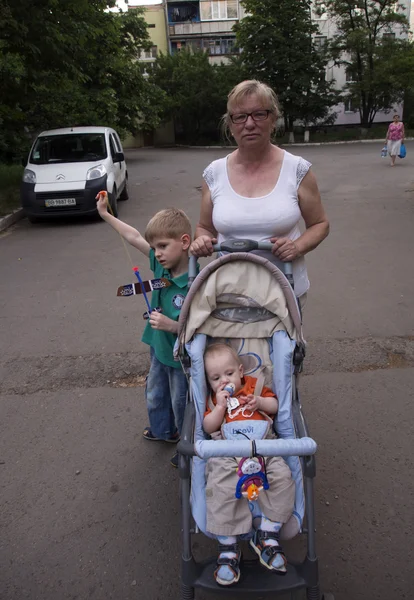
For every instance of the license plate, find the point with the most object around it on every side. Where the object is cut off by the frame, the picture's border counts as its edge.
(61, 202)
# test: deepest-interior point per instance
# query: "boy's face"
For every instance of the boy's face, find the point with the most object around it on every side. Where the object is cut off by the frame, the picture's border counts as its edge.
(169, 251)
(221, 369)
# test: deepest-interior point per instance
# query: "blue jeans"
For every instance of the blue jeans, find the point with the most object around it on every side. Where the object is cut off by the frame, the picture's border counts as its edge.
(166, 394)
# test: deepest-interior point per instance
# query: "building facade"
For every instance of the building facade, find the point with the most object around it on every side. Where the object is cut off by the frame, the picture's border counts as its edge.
(204, 25)
(346, 113)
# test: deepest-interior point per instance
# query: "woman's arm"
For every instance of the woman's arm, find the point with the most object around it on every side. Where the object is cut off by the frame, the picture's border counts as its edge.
(317, 224)
(403, 132)
(313, 213)
(205, 233)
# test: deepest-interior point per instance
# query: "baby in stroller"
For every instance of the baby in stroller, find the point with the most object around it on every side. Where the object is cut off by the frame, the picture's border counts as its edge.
(240, 405)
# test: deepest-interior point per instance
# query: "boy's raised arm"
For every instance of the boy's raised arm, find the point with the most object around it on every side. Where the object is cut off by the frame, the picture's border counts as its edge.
(130, 234)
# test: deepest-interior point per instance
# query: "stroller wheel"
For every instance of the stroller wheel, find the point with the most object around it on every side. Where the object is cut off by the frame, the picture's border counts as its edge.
(187, 592)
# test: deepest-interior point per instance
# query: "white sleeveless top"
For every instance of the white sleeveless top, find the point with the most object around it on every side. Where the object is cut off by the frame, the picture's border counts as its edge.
(275, 215)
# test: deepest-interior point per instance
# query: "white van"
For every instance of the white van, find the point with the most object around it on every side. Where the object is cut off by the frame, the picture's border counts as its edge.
(67, 167)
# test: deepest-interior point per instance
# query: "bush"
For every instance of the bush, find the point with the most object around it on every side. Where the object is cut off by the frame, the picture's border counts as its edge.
(10, 178)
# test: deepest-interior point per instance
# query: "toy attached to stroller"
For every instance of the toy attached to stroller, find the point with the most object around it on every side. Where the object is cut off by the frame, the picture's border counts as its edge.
(247, 302)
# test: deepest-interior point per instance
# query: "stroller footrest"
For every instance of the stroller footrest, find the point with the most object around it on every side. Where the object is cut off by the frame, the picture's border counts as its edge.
(254, 579)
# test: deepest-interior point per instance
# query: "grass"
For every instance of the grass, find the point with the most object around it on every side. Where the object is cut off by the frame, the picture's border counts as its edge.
(10, 178)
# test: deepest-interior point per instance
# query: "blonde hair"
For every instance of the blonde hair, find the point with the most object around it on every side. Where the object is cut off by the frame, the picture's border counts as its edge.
(219, 348)
(248, 88)
(170, 223)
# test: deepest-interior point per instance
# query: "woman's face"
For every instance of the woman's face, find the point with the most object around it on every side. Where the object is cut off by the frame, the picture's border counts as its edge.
(396, 118)
(252, 132)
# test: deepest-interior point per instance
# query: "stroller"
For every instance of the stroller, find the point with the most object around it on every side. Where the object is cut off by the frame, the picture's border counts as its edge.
(246, 301)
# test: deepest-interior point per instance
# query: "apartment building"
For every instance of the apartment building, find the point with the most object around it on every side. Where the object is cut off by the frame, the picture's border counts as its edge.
(346, 114)
(204, 25)
(154, 15)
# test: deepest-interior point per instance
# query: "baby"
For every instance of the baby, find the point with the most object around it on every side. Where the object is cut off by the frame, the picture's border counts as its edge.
(227, 516)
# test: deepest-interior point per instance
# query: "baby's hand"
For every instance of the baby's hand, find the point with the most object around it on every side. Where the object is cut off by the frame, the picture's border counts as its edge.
(102, 202)
(252, 402)
(221, 397)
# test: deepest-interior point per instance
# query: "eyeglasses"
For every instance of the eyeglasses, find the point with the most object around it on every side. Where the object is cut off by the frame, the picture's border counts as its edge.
(257, 115)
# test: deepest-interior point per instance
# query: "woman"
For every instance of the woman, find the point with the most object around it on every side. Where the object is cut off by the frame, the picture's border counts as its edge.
(395, 137)
(259, 191)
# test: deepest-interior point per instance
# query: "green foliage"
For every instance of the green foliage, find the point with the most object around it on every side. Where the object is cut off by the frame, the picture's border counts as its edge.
(195, 92)
(276, 38)
(368, 42)
(70, 63)
(10, 178)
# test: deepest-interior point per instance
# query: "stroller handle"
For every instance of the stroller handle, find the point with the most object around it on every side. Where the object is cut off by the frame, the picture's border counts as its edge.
(239, 245)
(205, 449)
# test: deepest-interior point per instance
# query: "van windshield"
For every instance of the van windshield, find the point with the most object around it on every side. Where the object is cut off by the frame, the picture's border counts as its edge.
(70, 147)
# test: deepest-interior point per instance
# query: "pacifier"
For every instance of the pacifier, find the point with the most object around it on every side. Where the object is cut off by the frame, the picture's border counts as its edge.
(232, 402)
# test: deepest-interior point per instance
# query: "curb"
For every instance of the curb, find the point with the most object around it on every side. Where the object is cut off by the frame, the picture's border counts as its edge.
(296, 144)
(11, 219)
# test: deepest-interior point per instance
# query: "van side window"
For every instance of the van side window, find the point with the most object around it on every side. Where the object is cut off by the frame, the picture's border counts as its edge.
(112, 147)
(118, 142)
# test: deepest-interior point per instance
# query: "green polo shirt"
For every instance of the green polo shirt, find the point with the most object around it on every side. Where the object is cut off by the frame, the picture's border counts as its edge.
(170, 299)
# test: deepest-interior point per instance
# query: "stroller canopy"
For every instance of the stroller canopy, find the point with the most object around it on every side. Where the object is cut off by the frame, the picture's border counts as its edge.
(240, 295)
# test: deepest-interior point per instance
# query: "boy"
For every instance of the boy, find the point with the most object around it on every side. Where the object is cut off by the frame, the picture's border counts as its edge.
(166, 243)
(227, 516)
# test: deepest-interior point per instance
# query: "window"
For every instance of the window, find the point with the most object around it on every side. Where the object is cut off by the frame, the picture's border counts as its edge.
(320, 41)
(112, 146)
(148, 54)
(220, 46)
(389, 36)
(349, 105)
(187, 12)
(216, 10)
(349, 77)
(151, 25)
(320, 10)
(72, 147)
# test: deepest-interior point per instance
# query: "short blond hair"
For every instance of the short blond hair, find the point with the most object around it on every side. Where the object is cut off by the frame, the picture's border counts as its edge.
(220, 348)
(247, 88)
(170, 223)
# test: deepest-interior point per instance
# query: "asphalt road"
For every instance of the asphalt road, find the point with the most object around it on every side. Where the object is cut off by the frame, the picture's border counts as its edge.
(88, 508)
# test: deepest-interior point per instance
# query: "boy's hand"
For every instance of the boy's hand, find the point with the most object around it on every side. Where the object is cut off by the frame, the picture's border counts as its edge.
(102, 202)
(162, 323)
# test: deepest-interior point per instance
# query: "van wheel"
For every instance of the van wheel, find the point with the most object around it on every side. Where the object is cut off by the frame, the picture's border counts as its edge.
(113, 202)
(125, 193)
(33, 220)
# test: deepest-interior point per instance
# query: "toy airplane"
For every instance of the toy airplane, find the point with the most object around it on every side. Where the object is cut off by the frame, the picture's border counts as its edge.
(131, 289)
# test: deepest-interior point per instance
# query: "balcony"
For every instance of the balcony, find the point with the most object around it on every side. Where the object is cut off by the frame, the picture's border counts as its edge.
(203, 28)
(183, 12)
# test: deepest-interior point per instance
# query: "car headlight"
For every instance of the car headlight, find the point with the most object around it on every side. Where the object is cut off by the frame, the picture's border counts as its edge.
(96, 172)
(29, 176)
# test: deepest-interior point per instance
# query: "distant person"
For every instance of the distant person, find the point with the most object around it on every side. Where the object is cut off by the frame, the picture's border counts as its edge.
(395, 137)
(166, 243)
(260, 191)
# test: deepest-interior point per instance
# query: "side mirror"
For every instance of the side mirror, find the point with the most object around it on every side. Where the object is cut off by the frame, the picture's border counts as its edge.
(119, 157)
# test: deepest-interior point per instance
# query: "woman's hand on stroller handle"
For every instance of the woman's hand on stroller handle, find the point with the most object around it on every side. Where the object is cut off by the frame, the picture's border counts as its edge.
(234, 245)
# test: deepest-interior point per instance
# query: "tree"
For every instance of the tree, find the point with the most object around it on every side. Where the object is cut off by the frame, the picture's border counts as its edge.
(277, 48)
(71, 63)
(369, 43)
(196, 92)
